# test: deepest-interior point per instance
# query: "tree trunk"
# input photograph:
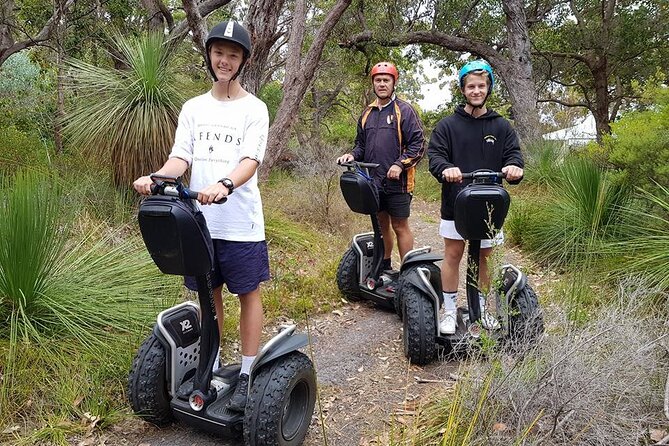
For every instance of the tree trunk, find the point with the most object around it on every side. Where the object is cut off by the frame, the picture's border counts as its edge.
(299, 74)
(60, 96)
(518, 73)
(261, 20)
(601, 109)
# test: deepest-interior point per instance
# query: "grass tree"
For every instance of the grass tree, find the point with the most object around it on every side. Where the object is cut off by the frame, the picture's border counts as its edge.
(53, 287)
(584, 209)
(127, 117)
(645, 253)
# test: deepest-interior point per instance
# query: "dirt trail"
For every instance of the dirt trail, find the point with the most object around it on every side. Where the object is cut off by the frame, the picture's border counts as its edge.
(363, 375)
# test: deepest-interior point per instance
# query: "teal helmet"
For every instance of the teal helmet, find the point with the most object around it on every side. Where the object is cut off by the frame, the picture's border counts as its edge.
(473, 66)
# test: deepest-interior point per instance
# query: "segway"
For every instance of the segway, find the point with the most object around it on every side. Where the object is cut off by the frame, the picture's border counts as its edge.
(480, 211)
(360, 274)
(171, 374)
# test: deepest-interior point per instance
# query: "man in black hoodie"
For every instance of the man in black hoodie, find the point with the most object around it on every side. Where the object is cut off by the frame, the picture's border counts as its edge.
(474, 137)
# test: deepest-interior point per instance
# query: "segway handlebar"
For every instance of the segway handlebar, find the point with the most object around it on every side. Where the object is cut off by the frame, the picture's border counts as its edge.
(482, 174)
(359, 164)
(173, 187)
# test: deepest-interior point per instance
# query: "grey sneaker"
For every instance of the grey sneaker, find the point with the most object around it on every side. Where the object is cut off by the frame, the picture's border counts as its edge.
(238, 400)
(488, 320)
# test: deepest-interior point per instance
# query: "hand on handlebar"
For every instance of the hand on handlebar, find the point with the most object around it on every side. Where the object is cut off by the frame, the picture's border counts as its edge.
(512, 172)
(143, 185)
(213, 194)
(345, 158)
(452, 175)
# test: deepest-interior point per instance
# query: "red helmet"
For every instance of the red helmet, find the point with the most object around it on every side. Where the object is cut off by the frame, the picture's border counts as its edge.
(385, 68)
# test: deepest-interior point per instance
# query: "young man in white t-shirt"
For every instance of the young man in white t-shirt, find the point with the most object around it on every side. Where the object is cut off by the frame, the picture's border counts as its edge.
(222, 137)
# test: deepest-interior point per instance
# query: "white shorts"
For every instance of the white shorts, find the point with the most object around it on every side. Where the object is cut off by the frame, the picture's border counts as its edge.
(447, 230)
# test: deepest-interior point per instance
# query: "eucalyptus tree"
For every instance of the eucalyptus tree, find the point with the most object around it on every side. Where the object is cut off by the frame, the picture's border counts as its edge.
(496, 31)
(592, 53)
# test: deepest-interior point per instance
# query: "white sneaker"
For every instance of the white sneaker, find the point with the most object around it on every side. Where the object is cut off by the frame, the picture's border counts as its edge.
(217, 362)
(449, 322)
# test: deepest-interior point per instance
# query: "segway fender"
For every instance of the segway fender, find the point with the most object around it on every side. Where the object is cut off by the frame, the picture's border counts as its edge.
(421, 258)
(282, 344)
(420, 279)
(512, 280)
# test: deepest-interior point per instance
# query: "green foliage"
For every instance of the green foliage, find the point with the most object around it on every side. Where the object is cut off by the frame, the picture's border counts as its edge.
(645, 253)
(18, 75)
(21, 149)
(303, 263)
(52, 285)
(128, 117)
(542, 161)
(427, 186)
(27, 101)
(583, 209)
(271, 94)
(639, 146)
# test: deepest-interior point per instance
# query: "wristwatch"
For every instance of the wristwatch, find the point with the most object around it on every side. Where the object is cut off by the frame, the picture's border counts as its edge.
(227, 182)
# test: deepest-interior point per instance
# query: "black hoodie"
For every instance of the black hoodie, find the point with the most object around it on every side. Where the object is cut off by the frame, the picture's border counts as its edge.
(460, 140)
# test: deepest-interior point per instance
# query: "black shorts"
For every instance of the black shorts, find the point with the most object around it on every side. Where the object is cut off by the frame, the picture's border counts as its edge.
(396, 204)
(240, 265)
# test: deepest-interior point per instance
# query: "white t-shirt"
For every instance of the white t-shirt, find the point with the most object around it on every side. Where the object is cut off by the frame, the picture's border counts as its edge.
(213, 137)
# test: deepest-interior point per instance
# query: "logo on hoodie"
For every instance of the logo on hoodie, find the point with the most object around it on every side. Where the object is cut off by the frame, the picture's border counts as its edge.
(490, 139)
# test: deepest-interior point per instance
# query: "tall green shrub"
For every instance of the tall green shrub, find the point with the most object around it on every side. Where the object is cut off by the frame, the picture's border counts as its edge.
(52, 285)
(639, 144)
(584, 209)
(128, 117)
(646, 252)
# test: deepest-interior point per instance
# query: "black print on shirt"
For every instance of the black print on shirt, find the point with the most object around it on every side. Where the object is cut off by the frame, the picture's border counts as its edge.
(213, 136)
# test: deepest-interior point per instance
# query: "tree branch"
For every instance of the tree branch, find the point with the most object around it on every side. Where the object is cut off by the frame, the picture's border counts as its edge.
(197, 24)
(10, 46)
(204, 9)
(444, 40)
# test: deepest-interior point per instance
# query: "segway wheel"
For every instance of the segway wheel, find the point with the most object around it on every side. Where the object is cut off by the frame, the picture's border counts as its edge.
(281, 402)
(147, 383)
(526, 321)
(402, 283)
(347, 275)
(420, 331)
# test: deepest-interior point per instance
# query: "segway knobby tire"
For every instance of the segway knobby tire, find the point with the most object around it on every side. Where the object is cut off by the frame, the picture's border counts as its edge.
(526, 322)
(402, 282)
(420, 331)
(147, 383)
(347, 275)
(281, 402)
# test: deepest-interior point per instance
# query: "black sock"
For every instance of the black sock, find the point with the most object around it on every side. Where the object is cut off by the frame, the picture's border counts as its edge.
(386, 264)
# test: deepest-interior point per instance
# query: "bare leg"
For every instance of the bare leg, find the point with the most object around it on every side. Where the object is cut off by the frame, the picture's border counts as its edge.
(404, 235)
(250, 322)
(218, 304)
(384, 221)
(450, 267)
(484, 273)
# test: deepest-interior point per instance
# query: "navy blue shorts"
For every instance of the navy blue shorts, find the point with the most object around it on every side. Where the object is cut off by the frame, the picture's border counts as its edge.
(241, 266)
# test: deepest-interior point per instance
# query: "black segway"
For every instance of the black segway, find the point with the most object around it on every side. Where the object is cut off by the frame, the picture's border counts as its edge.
(171, 374)
(480, 210)
(360, 273)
